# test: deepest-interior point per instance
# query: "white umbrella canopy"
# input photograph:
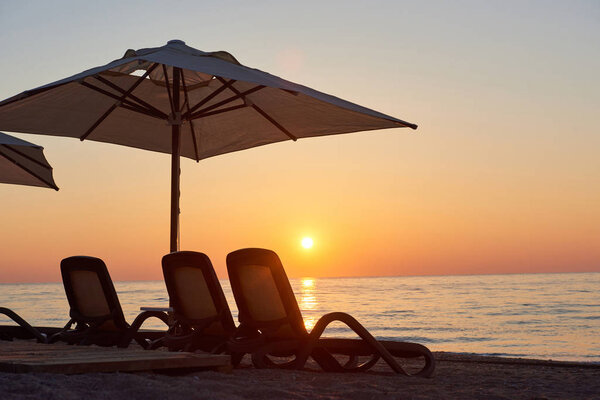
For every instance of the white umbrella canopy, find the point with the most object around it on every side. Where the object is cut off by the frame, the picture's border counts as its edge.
(23, 163)
(179, 100)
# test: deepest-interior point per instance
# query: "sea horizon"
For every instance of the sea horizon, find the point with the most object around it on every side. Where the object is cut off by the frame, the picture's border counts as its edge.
(347, 277)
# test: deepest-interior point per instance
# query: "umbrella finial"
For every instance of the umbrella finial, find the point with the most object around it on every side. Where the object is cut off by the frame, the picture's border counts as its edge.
(175, 41)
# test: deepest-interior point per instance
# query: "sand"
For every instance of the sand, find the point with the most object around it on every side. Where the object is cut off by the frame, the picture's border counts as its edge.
(456, 377)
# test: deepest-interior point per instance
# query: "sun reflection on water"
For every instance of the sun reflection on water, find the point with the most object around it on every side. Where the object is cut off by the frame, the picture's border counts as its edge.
(308, 300)
(308, 282)
(309, 323)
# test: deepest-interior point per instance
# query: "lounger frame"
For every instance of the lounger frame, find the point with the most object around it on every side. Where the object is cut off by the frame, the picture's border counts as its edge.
(263, 338)
(91, 329)
(188, 333)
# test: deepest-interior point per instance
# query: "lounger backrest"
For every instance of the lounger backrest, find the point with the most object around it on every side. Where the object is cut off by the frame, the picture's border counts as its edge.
(263, 293)
(91, 293)
(195, 292)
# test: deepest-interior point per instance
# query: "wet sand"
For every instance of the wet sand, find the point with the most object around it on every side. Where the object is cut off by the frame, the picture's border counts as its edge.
(457, 377)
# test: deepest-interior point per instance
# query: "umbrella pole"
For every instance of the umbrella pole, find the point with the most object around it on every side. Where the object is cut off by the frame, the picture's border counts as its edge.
(175, 167)
(175, 174)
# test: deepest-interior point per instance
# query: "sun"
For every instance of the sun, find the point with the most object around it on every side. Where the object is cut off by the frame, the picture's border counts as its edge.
(307, 242)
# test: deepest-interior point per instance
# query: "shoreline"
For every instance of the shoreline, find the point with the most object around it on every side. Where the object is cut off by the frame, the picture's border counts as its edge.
(465, 376)
(450, 356)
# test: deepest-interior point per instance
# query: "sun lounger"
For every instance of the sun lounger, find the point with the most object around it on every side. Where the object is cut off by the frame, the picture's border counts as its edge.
(95, 308)
(201, 317)
(271, 324)
(23, 324)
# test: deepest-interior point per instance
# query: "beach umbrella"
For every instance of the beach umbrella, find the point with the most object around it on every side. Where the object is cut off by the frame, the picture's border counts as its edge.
(23, 163)
(179, 100)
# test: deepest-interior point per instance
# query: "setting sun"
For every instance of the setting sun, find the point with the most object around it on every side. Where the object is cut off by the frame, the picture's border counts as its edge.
(307, 243)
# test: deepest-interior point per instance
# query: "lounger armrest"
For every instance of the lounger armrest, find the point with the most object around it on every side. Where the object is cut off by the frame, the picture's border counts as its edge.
(24, 324)
(387, 351)
(377, 348)
(137, 324)
(144, 315)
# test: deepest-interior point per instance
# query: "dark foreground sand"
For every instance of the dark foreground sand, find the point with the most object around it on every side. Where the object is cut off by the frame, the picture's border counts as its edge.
(457, 377)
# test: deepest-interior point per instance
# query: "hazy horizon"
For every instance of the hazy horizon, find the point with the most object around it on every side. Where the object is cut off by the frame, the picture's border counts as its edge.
(502, 175)
(226, 278)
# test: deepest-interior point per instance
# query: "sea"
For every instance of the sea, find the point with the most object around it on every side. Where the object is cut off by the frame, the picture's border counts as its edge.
(542, 316)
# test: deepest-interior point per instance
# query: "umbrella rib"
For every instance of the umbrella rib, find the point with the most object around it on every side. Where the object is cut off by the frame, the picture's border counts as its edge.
(168, 87)
(275, 123)
(140, 111)
(129, 92)
(141, 102)
(30, 172)
(223, 110)
(98, 122)
(187, 103)
(119, 100)
(268, 117)
(41, 164)
(130, 106)
(228, 100)
(210, 96)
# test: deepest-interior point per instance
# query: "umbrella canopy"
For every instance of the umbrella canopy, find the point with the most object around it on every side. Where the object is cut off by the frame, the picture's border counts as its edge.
(179, 100)
(23, 163)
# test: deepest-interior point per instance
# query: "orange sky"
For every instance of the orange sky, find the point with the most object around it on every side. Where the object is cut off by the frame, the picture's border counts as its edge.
(502, 175)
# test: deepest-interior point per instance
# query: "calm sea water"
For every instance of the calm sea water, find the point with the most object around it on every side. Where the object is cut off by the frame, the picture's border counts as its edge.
(547, 316)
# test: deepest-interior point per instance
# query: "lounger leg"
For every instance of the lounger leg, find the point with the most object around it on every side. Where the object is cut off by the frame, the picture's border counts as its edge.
(260, 355)
(412, 350)
(399, 350)
(236, 359)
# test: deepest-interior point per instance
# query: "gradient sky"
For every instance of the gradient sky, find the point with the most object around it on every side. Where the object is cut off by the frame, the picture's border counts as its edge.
(502, 176)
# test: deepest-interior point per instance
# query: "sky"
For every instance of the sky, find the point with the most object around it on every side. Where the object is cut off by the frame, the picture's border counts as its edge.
(502, 175)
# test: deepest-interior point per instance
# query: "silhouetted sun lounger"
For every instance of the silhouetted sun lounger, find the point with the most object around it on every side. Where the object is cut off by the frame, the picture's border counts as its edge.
(201, 317)
(271, 324)
(95, 308)
(23, 324)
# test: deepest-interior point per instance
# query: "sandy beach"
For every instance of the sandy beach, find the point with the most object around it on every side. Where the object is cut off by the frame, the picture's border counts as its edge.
(457, 377)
